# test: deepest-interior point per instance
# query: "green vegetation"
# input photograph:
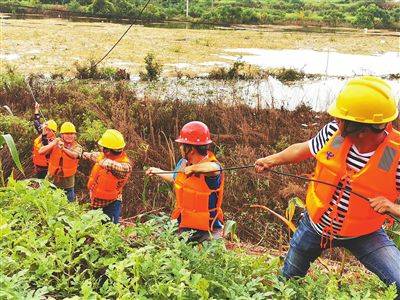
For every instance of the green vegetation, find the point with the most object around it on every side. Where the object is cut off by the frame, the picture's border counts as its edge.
(359, 13)
(51, 248)
(243, 71)
(91, 71)
(7, 139)
(153, 68)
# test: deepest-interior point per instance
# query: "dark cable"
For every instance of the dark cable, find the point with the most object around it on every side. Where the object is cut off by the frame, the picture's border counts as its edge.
(122, 36)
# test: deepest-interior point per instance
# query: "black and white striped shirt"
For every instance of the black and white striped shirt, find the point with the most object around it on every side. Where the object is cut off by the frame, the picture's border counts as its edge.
(356, 161)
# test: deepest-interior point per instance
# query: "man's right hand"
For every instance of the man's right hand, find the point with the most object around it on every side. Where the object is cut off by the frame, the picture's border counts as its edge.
(55, 142)
(265, 163)
(152, 170)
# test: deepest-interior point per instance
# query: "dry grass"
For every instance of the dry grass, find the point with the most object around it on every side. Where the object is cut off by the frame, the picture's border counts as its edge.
(53, 45)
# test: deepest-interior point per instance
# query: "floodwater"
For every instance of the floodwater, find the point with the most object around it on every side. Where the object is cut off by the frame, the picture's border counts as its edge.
(266, 93)
(330, 63)
(9, 56)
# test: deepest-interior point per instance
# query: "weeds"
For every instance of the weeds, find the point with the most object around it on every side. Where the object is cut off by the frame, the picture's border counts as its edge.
(91, 71)
(238, 70)
(287, 75)
(241, 134)
(51, 248)
(243, 71)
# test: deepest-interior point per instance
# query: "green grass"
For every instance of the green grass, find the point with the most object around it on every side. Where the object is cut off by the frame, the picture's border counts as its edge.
(50, 248)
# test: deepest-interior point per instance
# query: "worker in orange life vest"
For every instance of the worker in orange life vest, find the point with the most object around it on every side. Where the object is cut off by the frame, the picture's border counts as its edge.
(198, 186)
(109, 174)
(359, 151)
(64, 158)
(47, 133)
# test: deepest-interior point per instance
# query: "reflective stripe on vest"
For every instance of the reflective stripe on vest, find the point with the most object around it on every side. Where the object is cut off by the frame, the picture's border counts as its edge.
(60, 164)
(103, 184)
(377, 178)
(192, 200)
(387, 158)
(38, 159)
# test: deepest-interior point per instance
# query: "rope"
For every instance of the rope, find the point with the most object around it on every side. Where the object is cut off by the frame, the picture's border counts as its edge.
(34, 98)
(342, 188)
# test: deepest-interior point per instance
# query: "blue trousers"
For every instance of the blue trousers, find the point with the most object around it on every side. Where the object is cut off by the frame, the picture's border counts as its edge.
(70, 192)
(375, 251)
(113, 211)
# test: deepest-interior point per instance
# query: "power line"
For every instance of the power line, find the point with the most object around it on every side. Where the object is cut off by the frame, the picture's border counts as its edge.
(63, 11)
(122, 36)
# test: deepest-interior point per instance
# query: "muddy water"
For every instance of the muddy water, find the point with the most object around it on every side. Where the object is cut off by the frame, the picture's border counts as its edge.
(330, 62)
(268, 93)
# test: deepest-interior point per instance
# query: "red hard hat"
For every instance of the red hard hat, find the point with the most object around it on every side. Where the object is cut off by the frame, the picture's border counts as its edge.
(194, 133)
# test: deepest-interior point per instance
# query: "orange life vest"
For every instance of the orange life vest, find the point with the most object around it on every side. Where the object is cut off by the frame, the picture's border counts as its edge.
(377, 178)
(192, 200)
(61, 164)
(103, 184)
(39, 159)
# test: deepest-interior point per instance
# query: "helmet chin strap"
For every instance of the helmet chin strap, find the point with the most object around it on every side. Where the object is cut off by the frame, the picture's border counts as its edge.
(186, 150)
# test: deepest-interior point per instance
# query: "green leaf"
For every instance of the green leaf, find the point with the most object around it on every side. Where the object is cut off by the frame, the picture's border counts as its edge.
(230, 228)
(8, 139)
(290, 210)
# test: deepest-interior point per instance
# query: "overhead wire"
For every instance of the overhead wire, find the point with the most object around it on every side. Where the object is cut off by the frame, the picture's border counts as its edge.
(122, 36)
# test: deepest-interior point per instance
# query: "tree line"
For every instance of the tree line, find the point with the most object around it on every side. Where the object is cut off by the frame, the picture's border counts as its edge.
(354, 13)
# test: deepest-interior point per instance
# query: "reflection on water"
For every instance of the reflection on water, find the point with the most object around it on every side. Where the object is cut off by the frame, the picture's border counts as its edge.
(317, 62)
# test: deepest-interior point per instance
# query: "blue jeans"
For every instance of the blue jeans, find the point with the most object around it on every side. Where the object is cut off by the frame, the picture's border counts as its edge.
(113, 211)
(375, 251)
(70, 192)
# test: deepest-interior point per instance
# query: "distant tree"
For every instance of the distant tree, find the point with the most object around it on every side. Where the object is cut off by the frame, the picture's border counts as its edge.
(365, 17)
(229, 14)
(102, 7)
(249, 15)
(372, 16)
(333, 17)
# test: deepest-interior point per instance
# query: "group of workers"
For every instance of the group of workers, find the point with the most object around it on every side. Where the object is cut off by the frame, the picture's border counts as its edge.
(357, 152)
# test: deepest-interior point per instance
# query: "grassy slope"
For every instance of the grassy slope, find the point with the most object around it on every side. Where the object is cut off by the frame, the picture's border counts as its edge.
(52, 248)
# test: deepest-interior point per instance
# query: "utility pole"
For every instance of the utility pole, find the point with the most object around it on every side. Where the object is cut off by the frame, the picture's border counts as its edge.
(212, 3)
(187, 9)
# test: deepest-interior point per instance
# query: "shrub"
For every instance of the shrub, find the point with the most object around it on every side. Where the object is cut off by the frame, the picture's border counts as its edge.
(153, 68)
(287, 75)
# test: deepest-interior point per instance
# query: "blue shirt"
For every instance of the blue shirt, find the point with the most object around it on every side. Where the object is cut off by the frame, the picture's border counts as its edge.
(213, 182)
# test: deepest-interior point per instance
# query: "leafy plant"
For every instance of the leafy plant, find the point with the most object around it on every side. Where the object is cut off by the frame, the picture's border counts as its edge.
(7, 139)
(52, 248)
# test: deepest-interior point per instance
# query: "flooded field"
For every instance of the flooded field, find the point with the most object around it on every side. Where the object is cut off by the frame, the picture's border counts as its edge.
(48, 46)
(331, 63)
(54, 45)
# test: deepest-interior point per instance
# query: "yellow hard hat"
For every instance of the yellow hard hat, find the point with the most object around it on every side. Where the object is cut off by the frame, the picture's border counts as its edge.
(51, 124)
(67, 127)
(112, 139)
(365, 99)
